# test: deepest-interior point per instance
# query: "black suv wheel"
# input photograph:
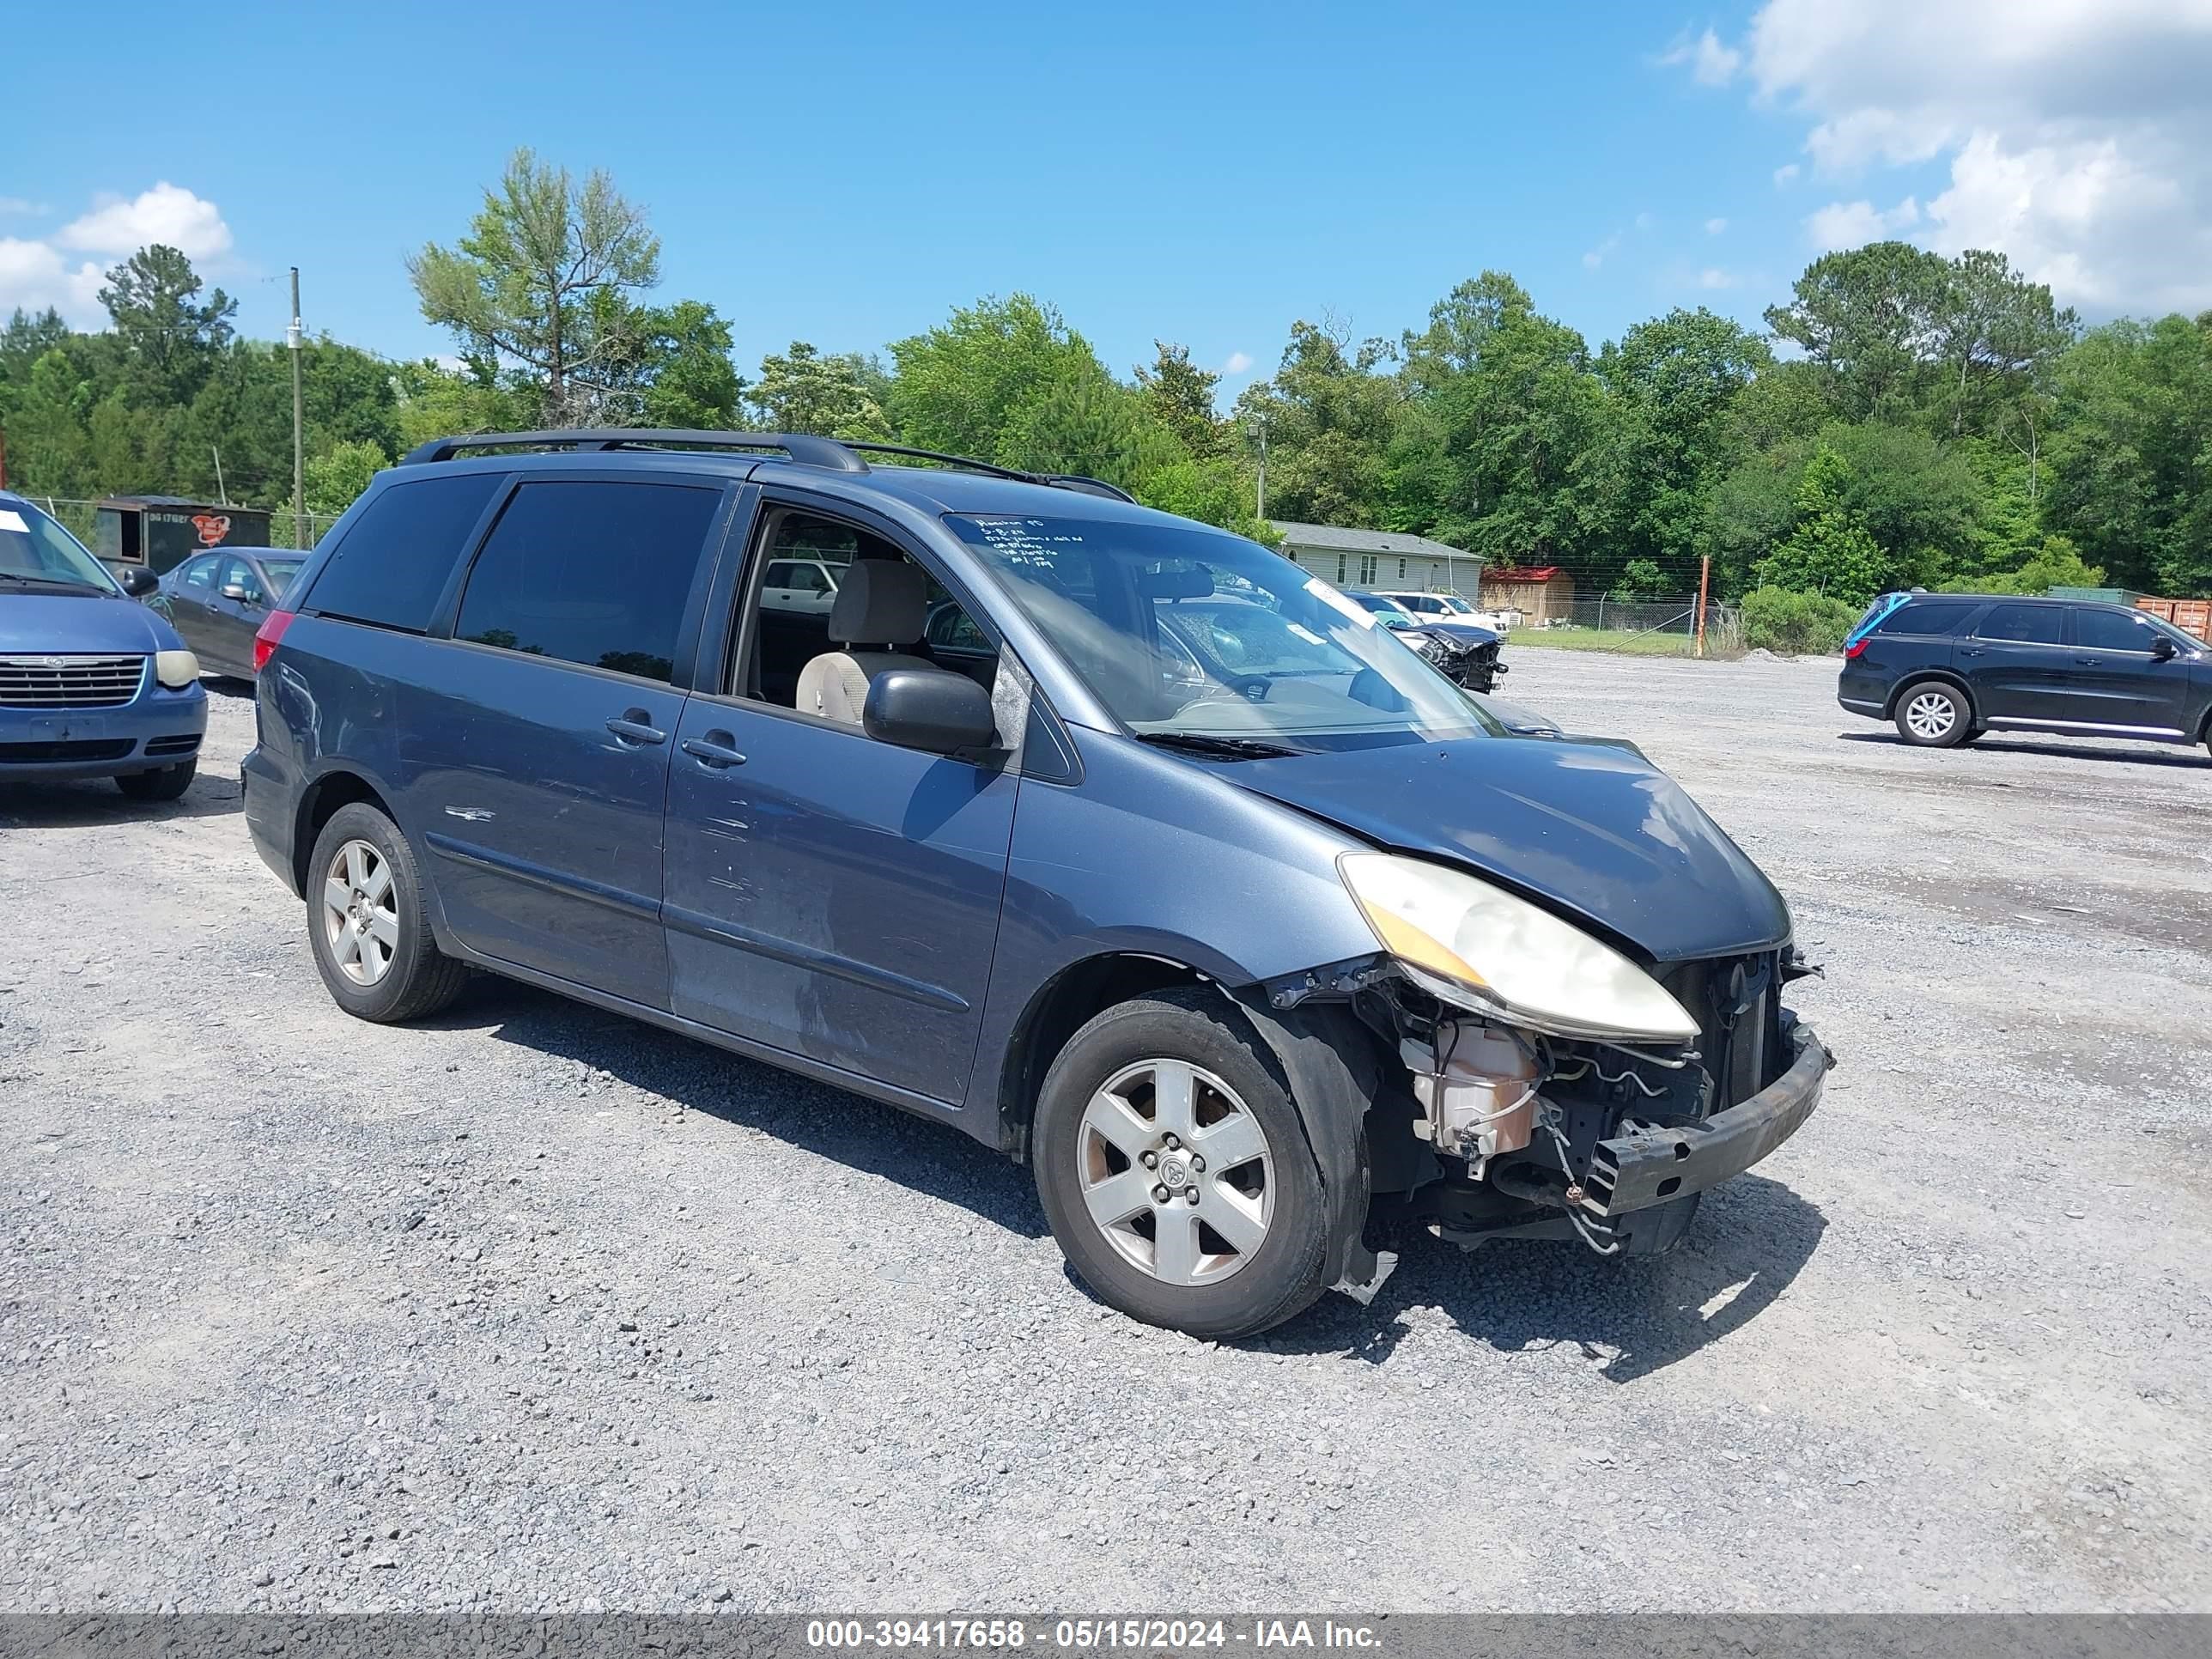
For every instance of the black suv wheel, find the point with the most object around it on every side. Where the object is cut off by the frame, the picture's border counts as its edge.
(1934, 715)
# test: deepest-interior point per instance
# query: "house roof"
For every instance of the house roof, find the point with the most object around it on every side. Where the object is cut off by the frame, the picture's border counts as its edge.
(1522, 573)
(1335, 539)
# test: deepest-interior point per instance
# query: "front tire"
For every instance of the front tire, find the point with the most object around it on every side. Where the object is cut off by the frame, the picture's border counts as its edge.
(168, 783)
(1933, 714)
(1175, 1171)
(368, 921)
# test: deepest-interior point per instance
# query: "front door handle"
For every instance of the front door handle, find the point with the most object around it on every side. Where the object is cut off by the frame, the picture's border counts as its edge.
(714, 751)
(635, 726)
(2086, 662)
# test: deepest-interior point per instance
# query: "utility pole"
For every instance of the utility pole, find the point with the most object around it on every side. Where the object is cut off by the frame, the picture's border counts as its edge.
(1259, 498)
(1704, 583)
(299, 463)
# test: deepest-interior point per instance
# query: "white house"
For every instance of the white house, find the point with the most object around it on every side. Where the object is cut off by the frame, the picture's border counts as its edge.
(1384, 561)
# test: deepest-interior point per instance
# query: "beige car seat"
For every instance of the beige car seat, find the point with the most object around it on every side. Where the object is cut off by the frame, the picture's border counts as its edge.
(884, 603)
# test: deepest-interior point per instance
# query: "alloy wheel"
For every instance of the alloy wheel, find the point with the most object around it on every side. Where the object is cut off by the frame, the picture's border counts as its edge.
(1175, 1172)
(360, 915)
(1931, 716)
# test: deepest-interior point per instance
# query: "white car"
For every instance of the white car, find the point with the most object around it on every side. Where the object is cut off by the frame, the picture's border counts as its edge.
(1449, 607)
(805, 586)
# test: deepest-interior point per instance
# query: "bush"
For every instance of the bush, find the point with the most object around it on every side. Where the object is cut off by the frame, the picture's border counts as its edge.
(1790, 623)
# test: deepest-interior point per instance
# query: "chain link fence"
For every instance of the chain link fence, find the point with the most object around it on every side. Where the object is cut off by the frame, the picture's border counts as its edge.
(1661, 626)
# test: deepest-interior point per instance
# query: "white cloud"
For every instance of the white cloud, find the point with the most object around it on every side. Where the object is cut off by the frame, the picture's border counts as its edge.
(1715, 227)
(1714, 277)
(1237, 363)
(34, 275)
(52, 270)
(1850, 224)
(1786, 175)
(1712, 64)
(2077, 134)
(168, 214)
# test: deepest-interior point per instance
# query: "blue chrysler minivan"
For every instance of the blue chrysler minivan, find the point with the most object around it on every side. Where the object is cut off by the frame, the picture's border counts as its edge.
(92, 685)
(1113, 839)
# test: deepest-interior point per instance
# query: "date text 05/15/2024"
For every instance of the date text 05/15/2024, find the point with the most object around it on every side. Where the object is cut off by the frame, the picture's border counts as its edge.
(1088, 1635)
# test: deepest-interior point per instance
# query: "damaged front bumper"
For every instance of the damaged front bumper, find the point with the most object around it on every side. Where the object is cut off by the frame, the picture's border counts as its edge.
(1647, 1164)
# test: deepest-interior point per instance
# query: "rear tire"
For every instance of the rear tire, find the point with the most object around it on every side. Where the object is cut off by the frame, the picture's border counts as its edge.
(1174, 1076)
(368, 921)
(167, 784)
(1934, 715)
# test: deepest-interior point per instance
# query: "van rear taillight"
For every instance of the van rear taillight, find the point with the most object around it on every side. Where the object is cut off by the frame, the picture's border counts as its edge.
(268, 636)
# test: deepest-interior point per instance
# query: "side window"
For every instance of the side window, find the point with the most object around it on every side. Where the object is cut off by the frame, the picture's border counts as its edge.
(236, 572)
(200, 574)
(785, 639)
(2110, 630)
(591, 572)
(1932, 620)
(395, 559)
(2029, 624)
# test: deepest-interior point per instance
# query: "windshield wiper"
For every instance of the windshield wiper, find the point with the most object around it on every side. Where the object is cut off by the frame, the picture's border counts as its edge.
(1202, 743)
(52, 581)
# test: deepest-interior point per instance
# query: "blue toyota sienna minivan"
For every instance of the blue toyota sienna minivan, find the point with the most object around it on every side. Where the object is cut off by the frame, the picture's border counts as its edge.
(92, 685)
(1113, 839)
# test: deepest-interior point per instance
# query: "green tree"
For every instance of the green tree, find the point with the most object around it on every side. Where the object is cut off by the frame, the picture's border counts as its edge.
(541, 286)
(680, 374)
(1179, 395)
(1867, 320)
(1330, 420)
(340, 473)
(964, 387)
(1829, 550)
(170, 334)
(835, 395)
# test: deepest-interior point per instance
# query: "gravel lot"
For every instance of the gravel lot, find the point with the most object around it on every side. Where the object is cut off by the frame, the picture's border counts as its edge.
(534, 1309)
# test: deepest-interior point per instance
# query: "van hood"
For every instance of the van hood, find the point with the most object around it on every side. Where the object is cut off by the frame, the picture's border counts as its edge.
(1588, 827)
(80, 624)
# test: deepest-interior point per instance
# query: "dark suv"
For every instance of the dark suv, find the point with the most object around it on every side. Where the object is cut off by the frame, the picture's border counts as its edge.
(1236, 947)
(1947, 667)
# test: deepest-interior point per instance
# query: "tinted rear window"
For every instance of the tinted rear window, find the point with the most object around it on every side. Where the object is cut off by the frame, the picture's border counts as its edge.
(394, 562)
(1933, 618)
(2034, 624)
(590, 573)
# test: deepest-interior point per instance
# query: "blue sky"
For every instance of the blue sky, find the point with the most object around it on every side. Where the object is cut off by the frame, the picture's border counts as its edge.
(1195, 172)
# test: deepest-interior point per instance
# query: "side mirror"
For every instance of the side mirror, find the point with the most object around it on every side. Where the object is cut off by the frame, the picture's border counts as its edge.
(136, 580)
(932, 709)
(2163, 649)
(239, 592)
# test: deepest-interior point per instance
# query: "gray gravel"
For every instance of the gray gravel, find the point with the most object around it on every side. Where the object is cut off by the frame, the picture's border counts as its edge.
(534, 1308)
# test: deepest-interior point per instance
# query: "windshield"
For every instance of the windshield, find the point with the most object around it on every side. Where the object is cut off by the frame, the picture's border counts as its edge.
(1186, 633)
(36, 552)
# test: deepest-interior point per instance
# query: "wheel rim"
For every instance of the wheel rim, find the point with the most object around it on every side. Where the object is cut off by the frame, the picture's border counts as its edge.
(360, 915)
(1175, 1172)
(1930, 714)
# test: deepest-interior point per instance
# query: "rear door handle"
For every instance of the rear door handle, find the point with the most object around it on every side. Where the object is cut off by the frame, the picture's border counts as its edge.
(2087, 662)
(634, 725)
(714, 751)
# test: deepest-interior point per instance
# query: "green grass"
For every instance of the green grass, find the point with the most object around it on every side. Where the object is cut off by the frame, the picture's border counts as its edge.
(1605, 639)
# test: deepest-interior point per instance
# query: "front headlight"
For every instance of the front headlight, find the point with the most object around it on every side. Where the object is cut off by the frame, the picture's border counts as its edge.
(176, 669)
(1504, 954)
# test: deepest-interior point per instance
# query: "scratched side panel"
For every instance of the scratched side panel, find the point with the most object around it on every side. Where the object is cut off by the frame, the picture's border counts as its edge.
(834, 897)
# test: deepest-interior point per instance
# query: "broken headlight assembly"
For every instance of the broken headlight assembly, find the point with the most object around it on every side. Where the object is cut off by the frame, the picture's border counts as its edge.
(1476, 946)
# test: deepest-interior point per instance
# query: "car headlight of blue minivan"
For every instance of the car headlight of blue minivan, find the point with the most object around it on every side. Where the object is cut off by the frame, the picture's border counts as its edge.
(176, 669)
(1473, 943)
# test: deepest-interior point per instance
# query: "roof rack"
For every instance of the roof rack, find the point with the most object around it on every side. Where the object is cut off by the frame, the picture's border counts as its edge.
(1089, 486)
(838, 455)
(799, 445)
